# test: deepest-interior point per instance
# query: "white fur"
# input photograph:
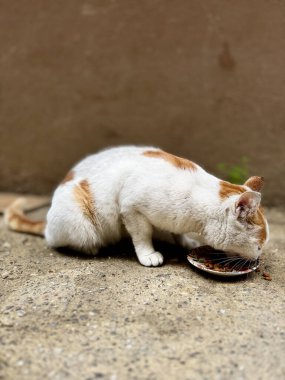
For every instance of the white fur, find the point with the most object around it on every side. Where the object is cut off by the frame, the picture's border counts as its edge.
(138, 195)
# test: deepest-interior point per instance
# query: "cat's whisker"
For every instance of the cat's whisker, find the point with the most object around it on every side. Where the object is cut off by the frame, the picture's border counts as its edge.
(237, 264)
(232, 262)
(222, 259)
(251, 263)
(224, 262)
(225, 258)
(243, 264)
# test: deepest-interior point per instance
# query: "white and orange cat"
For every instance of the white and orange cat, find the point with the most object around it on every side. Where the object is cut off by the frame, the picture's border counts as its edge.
(141, 191)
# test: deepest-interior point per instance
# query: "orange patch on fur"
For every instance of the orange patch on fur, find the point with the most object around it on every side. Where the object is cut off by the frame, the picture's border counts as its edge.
(85, 200)
(227, 189)
(178, 162)
(258, 219)
(69, 177)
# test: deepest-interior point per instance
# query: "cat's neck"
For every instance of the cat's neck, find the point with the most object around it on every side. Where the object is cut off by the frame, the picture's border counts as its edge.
(206, 206)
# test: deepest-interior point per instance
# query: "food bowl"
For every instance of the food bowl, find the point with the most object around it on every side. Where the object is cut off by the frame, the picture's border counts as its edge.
(220, 263)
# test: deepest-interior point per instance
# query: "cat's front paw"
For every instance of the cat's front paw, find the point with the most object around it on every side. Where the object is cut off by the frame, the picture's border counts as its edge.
(187, 242)
(153, 259)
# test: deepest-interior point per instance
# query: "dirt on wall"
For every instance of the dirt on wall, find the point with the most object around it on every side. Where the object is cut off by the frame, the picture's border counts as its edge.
(205, 80)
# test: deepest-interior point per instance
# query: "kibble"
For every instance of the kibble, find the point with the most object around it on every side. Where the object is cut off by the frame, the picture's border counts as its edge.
(267, 276)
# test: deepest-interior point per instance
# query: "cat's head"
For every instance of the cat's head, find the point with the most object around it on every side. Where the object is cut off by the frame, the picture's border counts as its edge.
(243, 228)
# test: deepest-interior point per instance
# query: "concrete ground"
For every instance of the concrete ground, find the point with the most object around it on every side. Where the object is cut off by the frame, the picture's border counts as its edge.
(67, 316)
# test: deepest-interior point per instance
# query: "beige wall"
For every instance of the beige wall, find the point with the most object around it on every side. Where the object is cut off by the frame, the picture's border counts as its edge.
(204, 79)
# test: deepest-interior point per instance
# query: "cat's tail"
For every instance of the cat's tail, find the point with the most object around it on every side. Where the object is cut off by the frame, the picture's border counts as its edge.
(16, 220)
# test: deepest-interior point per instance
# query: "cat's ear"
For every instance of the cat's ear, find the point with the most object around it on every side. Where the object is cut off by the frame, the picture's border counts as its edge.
(247, 204)
(255, 183)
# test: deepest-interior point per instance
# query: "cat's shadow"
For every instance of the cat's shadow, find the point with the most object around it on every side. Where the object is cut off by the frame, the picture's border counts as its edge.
(173, 255)
(125, 250)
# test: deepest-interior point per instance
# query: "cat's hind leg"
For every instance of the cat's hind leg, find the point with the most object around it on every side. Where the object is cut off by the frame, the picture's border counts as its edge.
(71, 220)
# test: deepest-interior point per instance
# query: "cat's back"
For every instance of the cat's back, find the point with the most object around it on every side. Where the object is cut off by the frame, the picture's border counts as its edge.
(113, 157)
(113, 164)
(104, 172)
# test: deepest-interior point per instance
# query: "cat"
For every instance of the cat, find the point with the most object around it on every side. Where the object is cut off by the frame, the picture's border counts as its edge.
(141, 191)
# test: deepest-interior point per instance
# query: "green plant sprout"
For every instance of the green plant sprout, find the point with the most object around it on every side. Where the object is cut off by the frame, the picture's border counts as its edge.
(237, 173)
